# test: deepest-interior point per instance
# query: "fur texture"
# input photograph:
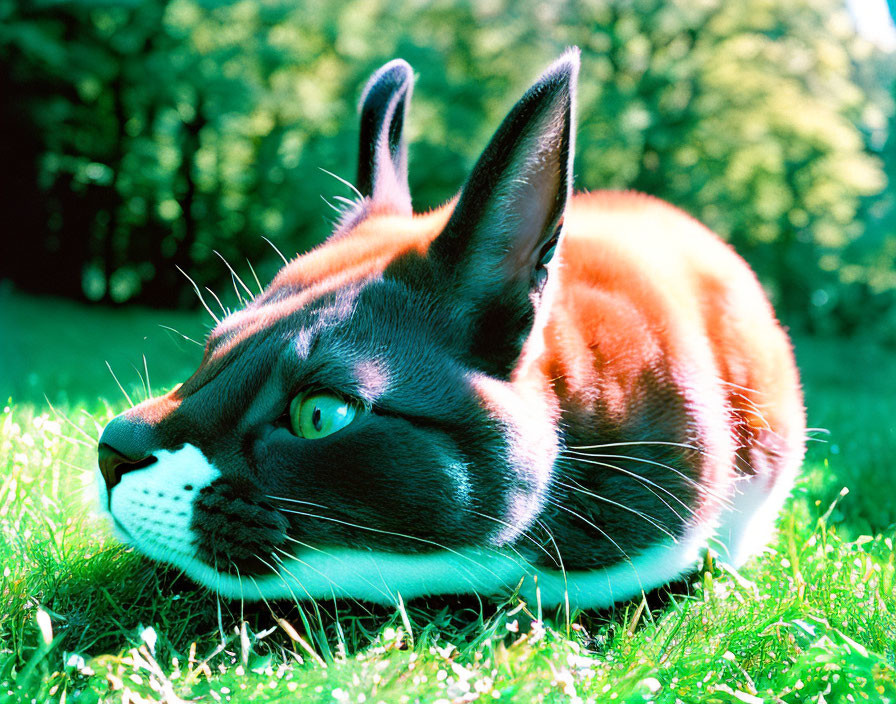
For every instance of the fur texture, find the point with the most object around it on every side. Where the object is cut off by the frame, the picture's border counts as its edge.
(590, 388)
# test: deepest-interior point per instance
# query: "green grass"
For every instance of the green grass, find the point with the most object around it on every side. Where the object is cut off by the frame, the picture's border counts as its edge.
(81, 618)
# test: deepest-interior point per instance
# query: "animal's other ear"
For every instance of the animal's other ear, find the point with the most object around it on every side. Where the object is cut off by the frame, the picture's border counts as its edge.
(383, 152)
(495, 249)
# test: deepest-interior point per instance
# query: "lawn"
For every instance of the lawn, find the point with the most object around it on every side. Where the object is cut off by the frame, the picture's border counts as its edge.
(84, 620)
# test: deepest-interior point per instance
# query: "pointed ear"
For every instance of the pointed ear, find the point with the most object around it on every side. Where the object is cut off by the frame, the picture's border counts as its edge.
(383, 152)
(495, 249)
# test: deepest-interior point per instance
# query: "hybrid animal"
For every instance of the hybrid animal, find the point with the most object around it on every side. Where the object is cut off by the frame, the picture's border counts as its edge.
(591, 388)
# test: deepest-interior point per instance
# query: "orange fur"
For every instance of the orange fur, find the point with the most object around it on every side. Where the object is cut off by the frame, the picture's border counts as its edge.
(643, 290)
(503, 362)
(642, 286)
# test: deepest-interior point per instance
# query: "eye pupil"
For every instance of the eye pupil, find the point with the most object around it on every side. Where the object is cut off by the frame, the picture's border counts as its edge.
(319, 414)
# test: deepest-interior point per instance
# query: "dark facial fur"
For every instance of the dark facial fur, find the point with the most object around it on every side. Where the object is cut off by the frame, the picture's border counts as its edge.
(473, 460)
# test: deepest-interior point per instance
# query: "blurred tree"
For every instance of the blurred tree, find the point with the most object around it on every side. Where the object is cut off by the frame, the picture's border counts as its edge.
(859, 292)
(146, 136)
(744, 114)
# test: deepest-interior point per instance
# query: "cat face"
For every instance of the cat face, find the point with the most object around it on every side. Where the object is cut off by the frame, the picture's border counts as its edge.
(373, 402)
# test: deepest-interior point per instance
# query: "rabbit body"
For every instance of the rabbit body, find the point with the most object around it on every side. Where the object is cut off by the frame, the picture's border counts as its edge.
(589, 388)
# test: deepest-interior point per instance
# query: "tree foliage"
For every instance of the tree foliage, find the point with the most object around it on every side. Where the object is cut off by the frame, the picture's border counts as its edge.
(143, 137)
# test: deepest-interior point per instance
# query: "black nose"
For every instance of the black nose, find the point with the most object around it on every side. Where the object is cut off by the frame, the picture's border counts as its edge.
(124, 446)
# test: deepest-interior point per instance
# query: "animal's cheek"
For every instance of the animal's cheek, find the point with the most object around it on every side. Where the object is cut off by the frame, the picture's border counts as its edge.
(237, 526)
(527, 418)
(388, 483)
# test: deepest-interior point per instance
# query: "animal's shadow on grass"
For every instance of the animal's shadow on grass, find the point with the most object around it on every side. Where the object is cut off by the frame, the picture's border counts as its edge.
(108, 615)
(106, 608)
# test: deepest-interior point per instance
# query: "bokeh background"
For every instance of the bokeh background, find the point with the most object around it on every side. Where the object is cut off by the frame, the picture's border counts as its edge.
(140, 137)
(137, 139)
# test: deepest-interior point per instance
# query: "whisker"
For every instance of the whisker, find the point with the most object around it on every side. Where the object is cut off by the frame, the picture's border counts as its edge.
(279, 561)
(239, 578)
(199, 293)
(393, 533)
(178, 332)
(327, 577)
(258, 589)
(757, 414)
(275, 249)
(84, 470)
(338, 559)
(652, 521)
(750, 401)
(356, 525)
(239, 296)
(96, 423)
(738, 386)
(78, 441)
(235, 276)
(119, 384)
(60, 414)
(306, 545)
(742, 388)
(808, 437)
(345, 201)
(255, 276)
(603, 533)
(524, 534)
(743, 465)
(142, 381)
(547, 530)
(273, 569)
(146, 369)
(643, 480)
(331, 205)
(343, 181)
(225, 311)
(697, 485)
(637, 442)
(306, 646)
(296, 501)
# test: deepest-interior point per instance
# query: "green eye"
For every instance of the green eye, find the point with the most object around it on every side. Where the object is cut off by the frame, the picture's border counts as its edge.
(315, 415)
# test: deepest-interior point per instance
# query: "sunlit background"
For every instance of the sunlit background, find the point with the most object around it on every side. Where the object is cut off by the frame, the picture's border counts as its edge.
(874, 22)
(140, 137)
